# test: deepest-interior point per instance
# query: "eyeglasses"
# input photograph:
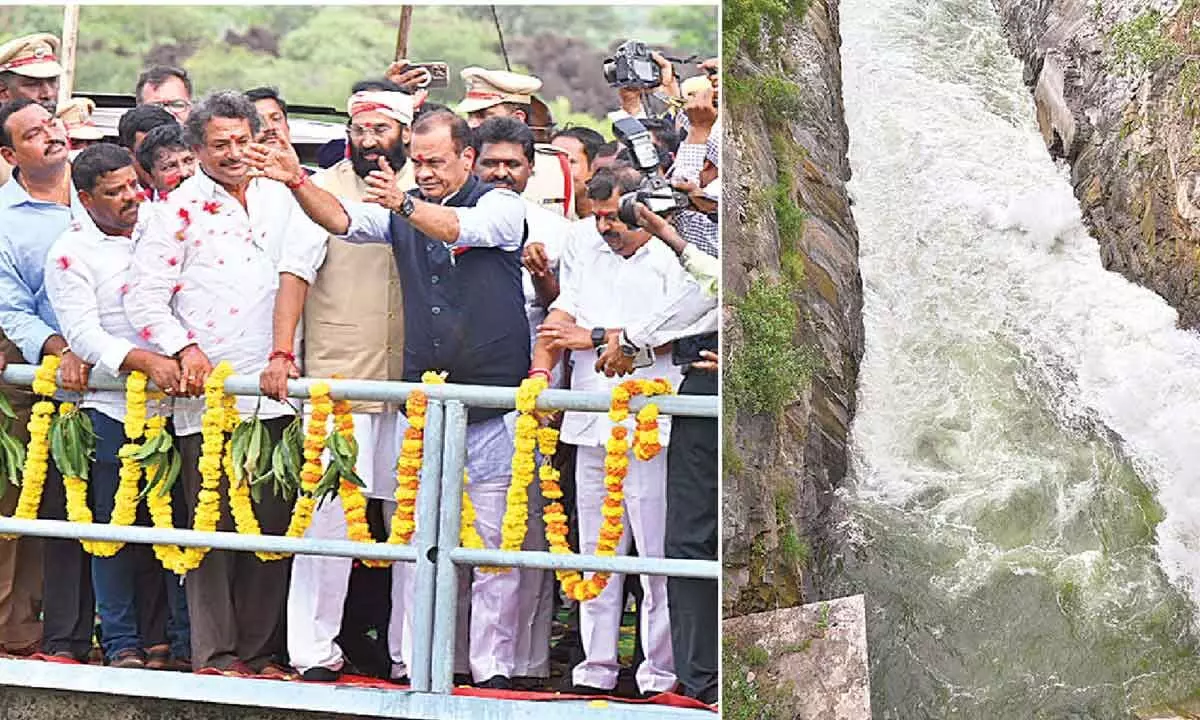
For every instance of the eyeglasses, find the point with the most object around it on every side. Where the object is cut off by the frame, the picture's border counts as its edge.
(361, 131)
(176, 105)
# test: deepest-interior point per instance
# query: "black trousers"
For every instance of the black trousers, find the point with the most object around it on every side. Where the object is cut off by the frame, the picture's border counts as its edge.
(68, 603)
(692, 477)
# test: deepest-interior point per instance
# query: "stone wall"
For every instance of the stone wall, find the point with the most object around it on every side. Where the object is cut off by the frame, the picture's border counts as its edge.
(780, 471)
(1117, 88)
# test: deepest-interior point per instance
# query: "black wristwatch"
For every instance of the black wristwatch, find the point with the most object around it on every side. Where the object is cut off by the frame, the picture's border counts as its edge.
(407, 206)
(598, 337)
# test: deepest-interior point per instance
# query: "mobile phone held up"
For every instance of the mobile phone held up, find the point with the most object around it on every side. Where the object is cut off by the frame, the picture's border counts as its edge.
(437, 74)
(643, 359)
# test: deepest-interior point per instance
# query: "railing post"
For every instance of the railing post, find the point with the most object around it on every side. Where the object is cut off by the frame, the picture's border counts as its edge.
(426, 538)
(445, 618)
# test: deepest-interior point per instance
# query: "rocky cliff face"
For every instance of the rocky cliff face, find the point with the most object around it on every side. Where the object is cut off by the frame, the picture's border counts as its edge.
(1117, 88)
(789, 230)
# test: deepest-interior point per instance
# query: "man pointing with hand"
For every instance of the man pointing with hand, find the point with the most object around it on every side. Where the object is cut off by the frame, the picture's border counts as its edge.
(457, 245)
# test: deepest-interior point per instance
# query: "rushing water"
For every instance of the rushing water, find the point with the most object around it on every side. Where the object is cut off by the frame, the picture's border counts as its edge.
(1024, 506)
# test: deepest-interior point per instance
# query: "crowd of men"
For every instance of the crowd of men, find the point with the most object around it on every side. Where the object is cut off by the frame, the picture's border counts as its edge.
(478, 240)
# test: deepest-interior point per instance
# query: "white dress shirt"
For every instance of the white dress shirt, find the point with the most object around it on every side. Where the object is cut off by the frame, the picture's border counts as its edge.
(599, 288)
(87, 277)
(550, 229)
(206, 271)
(495, 221)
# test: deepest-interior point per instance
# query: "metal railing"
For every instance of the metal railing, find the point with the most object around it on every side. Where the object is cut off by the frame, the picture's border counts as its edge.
(434, 549)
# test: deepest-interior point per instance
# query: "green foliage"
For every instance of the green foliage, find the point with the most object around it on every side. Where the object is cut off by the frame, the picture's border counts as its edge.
(743, 22)
(767, 370)
(756, 656)
(690, 31)
(1189, 87)
(743, 698)
(793, 549)
(560, 108)
(314, 53)
(1139, 44)
(731, 459)
(776, 97)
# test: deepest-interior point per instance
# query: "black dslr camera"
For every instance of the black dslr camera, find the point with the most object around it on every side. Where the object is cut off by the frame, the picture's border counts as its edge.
(654, 192)
(632, 66)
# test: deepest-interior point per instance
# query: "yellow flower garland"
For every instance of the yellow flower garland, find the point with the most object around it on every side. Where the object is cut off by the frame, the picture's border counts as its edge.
(37, 458)
(524, 463)
(354, 503)
(77, 507)
(311, 471)
(208, 500)
(126, 501)
(408, 466)
(616, 466)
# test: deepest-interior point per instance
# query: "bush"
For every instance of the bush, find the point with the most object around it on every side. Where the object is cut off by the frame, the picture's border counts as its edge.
(1139, 44)
(743, 21)
(767, 370)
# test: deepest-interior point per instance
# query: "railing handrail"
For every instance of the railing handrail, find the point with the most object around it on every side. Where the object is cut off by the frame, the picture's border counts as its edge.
(483, 396)
(215, 540)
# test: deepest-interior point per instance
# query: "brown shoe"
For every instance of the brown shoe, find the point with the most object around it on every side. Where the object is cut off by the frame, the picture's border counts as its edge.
(131, 658)
(278, 672)
(21, 652)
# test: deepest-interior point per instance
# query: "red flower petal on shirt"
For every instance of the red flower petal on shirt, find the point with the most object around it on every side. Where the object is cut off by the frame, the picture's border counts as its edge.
(177, 288)
(233, 311)
(185, 215)
(125, 289)
(211, 207)
(210, 324)
(172, 261)
(191, 335)
(146, 334)
(142, 196)
(64, 262)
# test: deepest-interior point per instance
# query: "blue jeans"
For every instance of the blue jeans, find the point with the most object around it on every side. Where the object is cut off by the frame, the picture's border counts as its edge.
(133, 591)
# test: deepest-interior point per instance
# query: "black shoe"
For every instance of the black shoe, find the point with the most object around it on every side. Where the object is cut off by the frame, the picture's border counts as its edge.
(461, 679)
(402, 680)
(569, 688)
(496, 682)
(320, 674)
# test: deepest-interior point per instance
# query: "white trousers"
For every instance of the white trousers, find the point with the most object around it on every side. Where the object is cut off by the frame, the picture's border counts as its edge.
(600, 618)
(489, 609)
(535, 599)
(317, 593)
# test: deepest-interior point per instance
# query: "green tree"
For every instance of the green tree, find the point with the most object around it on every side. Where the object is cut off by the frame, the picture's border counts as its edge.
(693, 29)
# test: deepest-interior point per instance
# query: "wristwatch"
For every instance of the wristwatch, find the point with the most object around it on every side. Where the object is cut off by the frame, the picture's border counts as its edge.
(598, 337)
(407, 206)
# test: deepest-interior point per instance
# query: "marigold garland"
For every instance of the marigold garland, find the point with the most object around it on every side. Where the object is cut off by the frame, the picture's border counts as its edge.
(408, 464)
(208, 500)
(616, 466)
(37, 457)
(126, 500)
(311, 471)
(77, 507)
(354, 503)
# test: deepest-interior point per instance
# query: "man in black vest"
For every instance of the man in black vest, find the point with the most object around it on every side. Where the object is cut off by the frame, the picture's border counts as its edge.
(457, 244)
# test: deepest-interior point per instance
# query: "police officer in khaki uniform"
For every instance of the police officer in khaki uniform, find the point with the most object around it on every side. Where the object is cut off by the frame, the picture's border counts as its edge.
(498, 93)
(76, 116)
(29, 68)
